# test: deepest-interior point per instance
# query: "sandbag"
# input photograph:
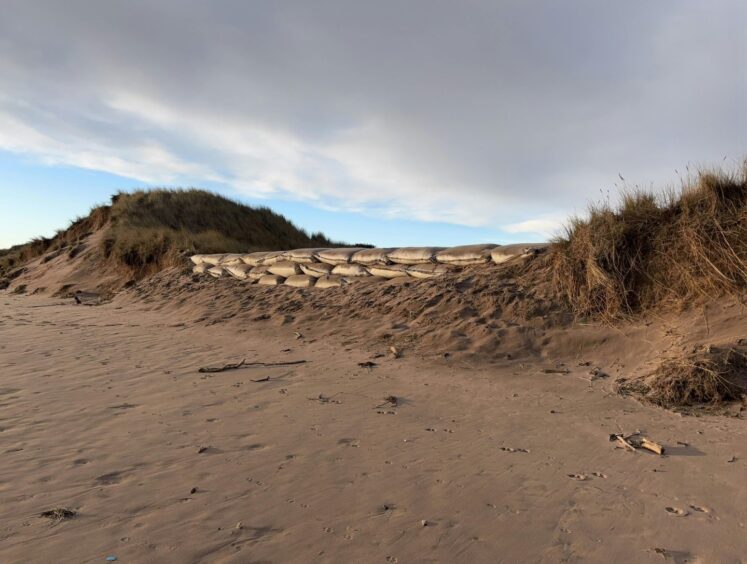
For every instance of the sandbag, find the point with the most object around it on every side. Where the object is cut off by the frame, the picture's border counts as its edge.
(427, 270)
(254, 259)
(316, 269)
(413, 255)
(517, 250)
(197, 259)
(371, 256)
(331, 281)
(271, 258)
(213, 260)
(300, 281)
(350, 270)
(337, 256)
(215, 271)
(388, 270)
(271, 280)
(302, 256)
(239, 271)
(231, 259)
(258, 272)
(200, 268)
(466, 254)
(285, 268)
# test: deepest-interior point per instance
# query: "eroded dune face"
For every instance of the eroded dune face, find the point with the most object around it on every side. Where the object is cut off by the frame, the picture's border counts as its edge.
(352, 264)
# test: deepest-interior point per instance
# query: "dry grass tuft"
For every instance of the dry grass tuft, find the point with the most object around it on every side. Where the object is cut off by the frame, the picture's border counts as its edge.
(656, 251)
(706, 377)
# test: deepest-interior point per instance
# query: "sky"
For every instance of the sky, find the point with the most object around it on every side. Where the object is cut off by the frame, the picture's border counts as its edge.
(389, 122)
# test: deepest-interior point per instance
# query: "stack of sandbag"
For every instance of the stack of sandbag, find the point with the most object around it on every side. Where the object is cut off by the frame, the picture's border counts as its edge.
(326, 268)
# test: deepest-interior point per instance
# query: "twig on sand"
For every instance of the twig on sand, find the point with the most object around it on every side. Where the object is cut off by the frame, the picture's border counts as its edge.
(245, 364)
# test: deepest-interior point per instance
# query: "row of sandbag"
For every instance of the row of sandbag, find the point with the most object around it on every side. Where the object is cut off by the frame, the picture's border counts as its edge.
(308, 274)
(458, 256)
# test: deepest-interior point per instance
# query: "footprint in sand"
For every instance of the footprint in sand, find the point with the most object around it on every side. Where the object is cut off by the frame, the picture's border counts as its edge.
(509, 449)
(700, 509)
(578, 477)
(599, 474)
(676, 511)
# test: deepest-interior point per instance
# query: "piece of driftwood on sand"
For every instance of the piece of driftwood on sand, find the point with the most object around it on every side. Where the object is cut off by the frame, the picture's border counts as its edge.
(244, 364)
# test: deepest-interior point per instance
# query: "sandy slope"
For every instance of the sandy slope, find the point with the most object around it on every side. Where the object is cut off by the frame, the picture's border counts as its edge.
(102, 410)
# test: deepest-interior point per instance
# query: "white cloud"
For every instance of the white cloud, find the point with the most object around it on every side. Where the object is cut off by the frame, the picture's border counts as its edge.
(491, 114)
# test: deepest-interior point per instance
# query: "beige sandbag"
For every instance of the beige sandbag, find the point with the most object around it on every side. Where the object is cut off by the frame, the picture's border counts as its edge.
(302, 256)
(285, 268)
(300, 281)
(427, 270)
(258, 272)
(350, 270)
(254, 259)
(413, 255)
(337, 256)
(316, 269)
(517, 250)
(200, 268)
(466, 254)
(271, 258)
(239, 271)
(271, 280)
(331, 281)
(197, 259)
(371, 256)
(215, 271)
(213, 260)
(231, 259)
(388, 270)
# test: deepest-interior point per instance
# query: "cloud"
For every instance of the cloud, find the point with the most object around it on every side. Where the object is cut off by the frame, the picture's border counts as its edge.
(479, 113)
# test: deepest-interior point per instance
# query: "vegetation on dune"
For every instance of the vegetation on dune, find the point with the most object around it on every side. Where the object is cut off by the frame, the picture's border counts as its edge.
(149, 230)
(653, 251)
(152, 229)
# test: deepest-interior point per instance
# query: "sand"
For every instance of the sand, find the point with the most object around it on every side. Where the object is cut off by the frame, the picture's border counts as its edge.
(484, 458)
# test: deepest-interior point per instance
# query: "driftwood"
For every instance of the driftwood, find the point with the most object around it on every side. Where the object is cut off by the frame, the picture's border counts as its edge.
(245, 364)
(633, 442)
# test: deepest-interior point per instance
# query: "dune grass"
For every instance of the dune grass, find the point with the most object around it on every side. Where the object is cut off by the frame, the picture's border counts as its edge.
(656, 251)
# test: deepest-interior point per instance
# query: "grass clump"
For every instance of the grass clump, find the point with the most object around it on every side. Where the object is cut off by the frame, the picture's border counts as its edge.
(708, 376)
(653, 251)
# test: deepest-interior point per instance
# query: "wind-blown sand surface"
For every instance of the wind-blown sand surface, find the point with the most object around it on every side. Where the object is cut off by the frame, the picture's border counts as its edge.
(103, 411)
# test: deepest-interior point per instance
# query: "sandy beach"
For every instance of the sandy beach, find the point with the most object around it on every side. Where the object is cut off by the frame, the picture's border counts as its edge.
(105, 412)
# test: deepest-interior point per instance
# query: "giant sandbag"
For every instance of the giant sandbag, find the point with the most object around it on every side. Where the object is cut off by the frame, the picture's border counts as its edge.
(465, 254)
(200, 268)
(215, 271)
(302, 256)
(231, 259)
(388, 270)
(351, 270)
(331, 281)
(271, 258)
(413, 255)
(285, 268)
(197, 259)
(238, 271)
(300, 281)
(371, 256)
(254, 259)
(427, 270)
(258, 272)
(316, 269)
(271, 280)
(337, 256)
(505, 253)
(212, 260)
